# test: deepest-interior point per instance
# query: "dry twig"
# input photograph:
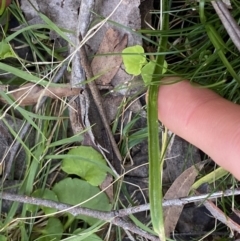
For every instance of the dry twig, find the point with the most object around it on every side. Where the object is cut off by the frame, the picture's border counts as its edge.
(98, 100)
(116, 217)
(228, 22)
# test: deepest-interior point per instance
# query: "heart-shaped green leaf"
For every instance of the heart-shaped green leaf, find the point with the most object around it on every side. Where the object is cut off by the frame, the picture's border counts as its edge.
(148, 69)
(75, 191)
(83, 166)
(52, 231)
(134, 59)
(5, 50)
(3, 238)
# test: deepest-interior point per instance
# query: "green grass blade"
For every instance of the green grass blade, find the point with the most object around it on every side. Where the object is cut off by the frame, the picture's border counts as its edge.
(217, 41)
(55, 27)
(22, 74)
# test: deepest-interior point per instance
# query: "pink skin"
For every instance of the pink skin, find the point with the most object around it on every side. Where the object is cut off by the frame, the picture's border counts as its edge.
(205, 119)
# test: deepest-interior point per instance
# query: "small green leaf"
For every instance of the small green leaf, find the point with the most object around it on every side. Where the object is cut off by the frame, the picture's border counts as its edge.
(3, 238)
(5, 50)
(148, 69)
(85, 169)
(53, 230)
(75, 191)
(134, 59)
(45, 194)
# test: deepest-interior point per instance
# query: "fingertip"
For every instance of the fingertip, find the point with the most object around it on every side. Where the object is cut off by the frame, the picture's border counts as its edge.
(204, 119)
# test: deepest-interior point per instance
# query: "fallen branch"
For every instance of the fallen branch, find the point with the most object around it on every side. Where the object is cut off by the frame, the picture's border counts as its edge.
(74, 210)
(179, 201)
(115, 217)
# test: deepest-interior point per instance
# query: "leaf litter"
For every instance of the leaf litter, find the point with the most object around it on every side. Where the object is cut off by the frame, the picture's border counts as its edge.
(180, 188)
(30, 94)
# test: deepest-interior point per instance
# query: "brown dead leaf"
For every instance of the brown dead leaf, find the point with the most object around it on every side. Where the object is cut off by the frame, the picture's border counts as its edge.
(180, 188)
(30, 94)
(107, 66)
(107, 183)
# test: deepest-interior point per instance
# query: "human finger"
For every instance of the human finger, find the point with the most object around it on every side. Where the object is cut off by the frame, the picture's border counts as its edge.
(204, 119)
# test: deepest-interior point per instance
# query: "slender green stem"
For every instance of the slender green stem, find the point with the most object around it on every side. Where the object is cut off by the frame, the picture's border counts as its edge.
(155, 189)
(155, 159)
(3, 6)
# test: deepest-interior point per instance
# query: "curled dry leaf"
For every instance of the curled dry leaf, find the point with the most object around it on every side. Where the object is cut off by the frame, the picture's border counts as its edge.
(108, 65)
(30, 94)
(180, 188)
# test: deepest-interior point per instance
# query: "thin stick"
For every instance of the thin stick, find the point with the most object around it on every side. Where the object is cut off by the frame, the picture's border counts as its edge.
(97, 99)
(180, 201)
(228, 21)
(115, 217)
(105, 216)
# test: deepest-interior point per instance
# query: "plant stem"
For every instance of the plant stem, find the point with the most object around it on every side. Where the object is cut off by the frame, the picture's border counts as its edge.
(155, 159)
